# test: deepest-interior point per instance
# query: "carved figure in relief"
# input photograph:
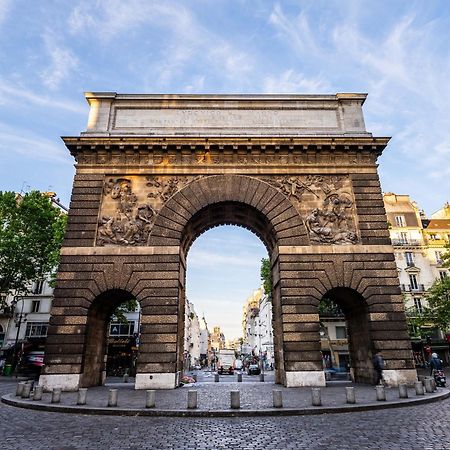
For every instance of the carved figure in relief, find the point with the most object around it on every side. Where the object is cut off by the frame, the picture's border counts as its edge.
(329, 225)
(131, 223)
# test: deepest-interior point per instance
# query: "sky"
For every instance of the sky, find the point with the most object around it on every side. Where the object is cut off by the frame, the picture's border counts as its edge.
(52, 51)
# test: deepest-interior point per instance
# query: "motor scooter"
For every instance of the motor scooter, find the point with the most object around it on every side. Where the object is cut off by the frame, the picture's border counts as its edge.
(439, 377)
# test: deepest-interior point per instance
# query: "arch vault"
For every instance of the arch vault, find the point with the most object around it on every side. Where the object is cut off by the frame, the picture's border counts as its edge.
(153, 172)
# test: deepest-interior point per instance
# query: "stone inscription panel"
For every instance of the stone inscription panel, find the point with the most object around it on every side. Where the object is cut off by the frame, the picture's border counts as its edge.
(231, 121)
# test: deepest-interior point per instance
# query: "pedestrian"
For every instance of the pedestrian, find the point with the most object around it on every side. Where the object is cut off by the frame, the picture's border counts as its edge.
(378, 365)
(435, 363)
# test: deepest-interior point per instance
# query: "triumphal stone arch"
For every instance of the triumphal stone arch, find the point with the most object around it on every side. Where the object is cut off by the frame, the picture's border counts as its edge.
(153, 172)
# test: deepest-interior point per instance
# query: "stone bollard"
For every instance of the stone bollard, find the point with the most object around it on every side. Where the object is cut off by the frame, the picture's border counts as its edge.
(216, 377)
(428, 385)
(56, 395)
(26, 391)
(381, 393)
(112, 397)
(150, 399)
(418, 385)
(277, 398)
(261, 377)
(402, 391)
(37, 393)
(126, 377)
(239, 377)
(19, 388)
(316, 397)
(235, 400)
(433, 384)
(350, 395)
(82, 395)
(194, 377)
(192, 400)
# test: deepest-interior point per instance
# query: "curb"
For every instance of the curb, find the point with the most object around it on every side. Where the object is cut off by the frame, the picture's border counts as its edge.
(10, 399)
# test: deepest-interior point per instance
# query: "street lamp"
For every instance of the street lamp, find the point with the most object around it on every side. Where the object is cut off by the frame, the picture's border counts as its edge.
(18, 319)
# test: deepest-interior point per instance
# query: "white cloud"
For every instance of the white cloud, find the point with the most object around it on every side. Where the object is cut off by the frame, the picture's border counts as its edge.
(5, 6)
(32, 146)
(12, 95)
(291, 82)
(62, 62)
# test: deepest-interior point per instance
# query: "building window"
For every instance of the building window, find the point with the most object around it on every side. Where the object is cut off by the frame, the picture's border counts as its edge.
(341, 333)
(400, 221)
(404, 238)
(38, 287)
(418, 304)
(36, 329)
(438, 257)
(117, 329)
(433, 237)
(442, 274)
(413, 282)
(409, 256)
(35, 304)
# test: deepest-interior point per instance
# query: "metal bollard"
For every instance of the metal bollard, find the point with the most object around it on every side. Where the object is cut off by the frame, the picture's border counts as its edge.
(37, 393)
(112, 397)
(216, 378)
(126, 377)
(192, 400)
(402, 391)
(26, 391)
(56, 395)
(428, 385)
(418, 385)
(82, 395)
(277, 398)
(19, 388)
(235, 400)
(261, 377)
(150, 399)
(239, 377)
(350, 395)
(194, 377)
(316, 397)
(381, 393)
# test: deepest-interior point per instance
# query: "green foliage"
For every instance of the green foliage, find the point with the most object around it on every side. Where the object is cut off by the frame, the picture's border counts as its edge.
(328, 308)
(437, 313)
(266, 276)
(123, 308)
(446, 255)
(31, 233)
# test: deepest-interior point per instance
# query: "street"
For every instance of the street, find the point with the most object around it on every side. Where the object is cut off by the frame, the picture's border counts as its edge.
(420, 427)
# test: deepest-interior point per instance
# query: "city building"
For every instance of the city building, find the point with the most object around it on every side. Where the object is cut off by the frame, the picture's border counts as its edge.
(217, 339)
(205, 342)
(192, 337)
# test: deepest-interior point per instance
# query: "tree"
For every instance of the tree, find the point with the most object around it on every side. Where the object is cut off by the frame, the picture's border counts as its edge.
(437, 313)
(266, 276)
(446, 255)
(31, 233)
(122, 309)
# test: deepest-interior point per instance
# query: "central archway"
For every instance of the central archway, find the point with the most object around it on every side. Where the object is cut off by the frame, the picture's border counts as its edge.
(244, 201)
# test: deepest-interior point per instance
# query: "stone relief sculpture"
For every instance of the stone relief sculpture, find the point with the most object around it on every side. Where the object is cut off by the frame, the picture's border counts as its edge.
(326, 204)
(330, 224)
(131, 223)
(126, 218)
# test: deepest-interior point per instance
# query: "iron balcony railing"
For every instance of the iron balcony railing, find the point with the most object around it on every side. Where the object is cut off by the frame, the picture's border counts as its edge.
(406, 242)
(411, 288)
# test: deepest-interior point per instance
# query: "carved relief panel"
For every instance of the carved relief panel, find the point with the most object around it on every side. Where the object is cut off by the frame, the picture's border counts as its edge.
(325, 203)
(130, 205)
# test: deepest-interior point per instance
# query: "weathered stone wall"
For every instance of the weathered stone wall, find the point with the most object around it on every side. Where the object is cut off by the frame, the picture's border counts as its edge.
(138, 203)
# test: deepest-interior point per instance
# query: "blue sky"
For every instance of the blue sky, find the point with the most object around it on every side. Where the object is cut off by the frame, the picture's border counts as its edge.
(398, 52)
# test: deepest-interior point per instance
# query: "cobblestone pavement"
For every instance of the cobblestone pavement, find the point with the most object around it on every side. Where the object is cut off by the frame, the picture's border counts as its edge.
(418, 427)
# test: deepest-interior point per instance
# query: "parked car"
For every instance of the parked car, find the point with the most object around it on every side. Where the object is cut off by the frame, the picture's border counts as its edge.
(253, 369)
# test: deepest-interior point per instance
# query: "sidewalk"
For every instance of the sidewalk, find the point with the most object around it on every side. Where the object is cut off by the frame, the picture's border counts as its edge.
(214, 400)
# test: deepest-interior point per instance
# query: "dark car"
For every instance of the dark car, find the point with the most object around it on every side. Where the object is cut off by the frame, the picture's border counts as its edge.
(253, 369)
